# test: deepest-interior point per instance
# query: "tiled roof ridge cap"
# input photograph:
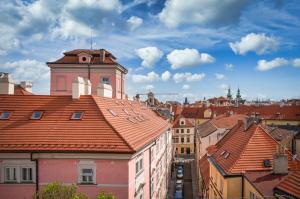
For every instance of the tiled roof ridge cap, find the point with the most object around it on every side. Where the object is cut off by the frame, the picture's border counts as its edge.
(242, 152)
(93, 97)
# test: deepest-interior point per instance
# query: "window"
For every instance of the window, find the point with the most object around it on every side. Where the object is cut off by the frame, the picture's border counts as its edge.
(182, 150)
(26, 174)
(188, 139)
(188, 130)
(182, 140)
(112, 112)
(87, 175)
(139, 166)
(105, 80)
(76, 116)
(5, 115)
(253, 196)
(10, 174)
(177, 130)
(182, 122)
(182, 130)
(83, 59)
(36, 115)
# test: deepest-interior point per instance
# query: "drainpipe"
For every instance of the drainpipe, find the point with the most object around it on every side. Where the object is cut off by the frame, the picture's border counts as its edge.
(121, 85)
(36, 173)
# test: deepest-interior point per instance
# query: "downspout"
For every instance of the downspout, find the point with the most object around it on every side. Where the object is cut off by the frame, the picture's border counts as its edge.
(150, 172)
(121, 85)
(36, 173)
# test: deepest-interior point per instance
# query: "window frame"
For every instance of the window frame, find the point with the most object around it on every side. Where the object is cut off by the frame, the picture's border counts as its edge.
(103, 82)
(36, 111)
(74, 118)
(139, 166)
(2, 112)
(87, 165)
(21, 174)
(7, 181)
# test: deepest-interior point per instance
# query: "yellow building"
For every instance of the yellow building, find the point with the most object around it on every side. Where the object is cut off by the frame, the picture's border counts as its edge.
(246, 163)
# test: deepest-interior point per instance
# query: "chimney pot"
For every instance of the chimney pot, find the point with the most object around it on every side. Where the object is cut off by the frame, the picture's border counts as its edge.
(78, 87)
(104, 90)
(7, 85)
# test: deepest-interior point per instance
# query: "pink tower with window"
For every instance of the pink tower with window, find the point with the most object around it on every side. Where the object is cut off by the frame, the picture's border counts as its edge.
(99, 66)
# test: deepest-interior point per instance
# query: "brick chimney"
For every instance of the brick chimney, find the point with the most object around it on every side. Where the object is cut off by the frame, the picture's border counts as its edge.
(102, 55)
(280, 161)
(7, 85)
(104, 90)
(27, 85)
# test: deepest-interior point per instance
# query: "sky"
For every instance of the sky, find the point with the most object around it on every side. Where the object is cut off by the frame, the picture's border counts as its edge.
(193, 48)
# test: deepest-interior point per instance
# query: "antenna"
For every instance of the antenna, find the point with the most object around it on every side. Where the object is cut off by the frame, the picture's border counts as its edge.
(91, 37)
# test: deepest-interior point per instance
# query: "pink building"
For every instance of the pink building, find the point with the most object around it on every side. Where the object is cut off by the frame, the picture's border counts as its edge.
(99, 66)
(94, 141)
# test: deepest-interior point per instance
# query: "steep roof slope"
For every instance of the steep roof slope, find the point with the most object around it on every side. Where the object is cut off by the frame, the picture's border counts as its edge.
(97, 131)
(291, 184)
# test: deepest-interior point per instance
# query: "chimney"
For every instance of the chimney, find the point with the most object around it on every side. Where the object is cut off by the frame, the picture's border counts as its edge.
(102, 55)
(7, 85)
(78, 87)
(211, 150)
(27, 85)
(280, 161)
(104, 90)
(87, 86)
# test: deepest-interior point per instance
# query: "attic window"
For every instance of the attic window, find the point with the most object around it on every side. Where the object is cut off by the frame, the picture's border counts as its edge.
(83, 59)
(226, 155)
(112, 112)
(36, 115)
(5, 115)
(267, 163)
(76, 116)
(223, 152)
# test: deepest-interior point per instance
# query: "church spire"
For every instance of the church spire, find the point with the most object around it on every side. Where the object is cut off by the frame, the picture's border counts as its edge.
(229, 96)
(238, 94)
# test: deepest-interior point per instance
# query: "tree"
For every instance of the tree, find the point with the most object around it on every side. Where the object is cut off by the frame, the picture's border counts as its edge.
(105, 195)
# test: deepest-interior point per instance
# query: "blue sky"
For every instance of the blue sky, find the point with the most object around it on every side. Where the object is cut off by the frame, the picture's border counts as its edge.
(196, 48)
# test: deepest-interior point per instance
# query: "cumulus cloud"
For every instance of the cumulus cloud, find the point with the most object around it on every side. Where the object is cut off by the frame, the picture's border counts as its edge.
(149, 55)
(186, 87)
(201, 12)
(259, 43)
(150, 77)
(166, 76)
(188, 57)
(296, 62)
(189, 77)
(28, 69)
(219, 76)
(134, 22)
(263, 65)
(229, 66)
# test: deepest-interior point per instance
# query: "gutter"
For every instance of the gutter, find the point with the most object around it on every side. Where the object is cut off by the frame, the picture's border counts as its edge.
(36, 173)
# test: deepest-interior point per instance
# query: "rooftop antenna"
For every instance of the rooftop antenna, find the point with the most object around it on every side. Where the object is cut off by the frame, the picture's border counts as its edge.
(91, 37)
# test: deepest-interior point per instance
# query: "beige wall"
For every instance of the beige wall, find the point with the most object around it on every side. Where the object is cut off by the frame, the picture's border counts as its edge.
(281, 122)
(298, 148)
(249, 188)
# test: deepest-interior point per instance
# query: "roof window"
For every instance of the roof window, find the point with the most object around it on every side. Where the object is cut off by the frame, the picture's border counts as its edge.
(112, 112)
(223, 152)
(226, 155)
(76, 115)
(267, 163)
(36, 115)
(131, 120)
(5, 115)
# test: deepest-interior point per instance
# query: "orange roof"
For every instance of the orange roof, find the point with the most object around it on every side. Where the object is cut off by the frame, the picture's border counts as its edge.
(247, 149)
(188, 124)
(19, 90)
(227, 122)
(291, 184)
(97, 131)
(204, 170)
(193, 112)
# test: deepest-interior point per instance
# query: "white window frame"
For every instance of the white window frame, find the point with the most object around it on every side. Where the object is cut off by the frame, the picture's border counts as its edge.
(139, 165)
(105, 82)
(21, 174)
(87, 165)
(10, 169)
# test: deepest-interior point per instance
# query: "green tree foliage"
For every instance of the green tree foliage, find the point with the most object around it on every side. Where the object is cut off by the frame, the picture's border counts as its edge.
(105, 195)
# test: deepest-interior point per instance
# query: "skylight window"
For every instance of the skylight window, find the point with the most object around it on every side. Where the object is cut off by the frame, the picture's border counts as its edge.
(223, 152)
(5, 115)
(226, 155)
(112, 112)
(131, 120)
(36, 115)
(76, 115)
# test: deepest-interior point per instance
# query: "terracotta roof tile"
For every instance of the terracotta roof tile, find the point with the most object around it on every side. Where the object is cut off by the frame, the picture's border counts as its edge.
(97, 131)
(291, 184)
(188, 124)
(21, 91)
(193, 112)
(204, 165)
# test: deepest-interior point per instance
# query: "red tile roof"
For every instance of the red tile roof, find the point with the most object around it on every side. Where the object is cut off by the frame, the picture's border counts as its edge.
(227, 122)
(19, 90)
(204, 170)
(291, 184)
(188, 124)
(193, 112)
(97, 131)
(247, 149)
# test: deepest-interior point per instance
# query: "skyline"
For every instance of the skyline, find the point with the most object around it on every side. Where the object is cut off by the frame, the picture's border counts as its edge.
(194, 48)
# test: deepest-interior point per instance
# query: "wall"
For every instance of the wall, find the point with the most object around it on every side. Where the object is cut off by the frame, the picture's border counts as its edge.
(179, 145)
(298, 147)
(249, 188)
(281, 122)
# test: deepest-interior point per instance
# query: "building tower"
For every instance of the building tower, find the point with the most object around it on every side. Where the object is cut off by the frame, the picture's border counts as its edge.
(238, 94)
(229, 96)
(186, 102)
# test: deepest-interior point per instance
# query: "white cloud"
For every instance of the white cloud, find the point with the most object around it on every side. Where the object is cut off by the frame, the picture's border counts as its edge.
(31, 70)
(134, 22)
(149, 55)
(263, 65)
(188, 57)
(259, 43)
(296, 62)
(202, 12)
(149, 87)
(150, 77)
(229, 66)
(219, 76)
(186, 87)
(189, 77)
(166, 76)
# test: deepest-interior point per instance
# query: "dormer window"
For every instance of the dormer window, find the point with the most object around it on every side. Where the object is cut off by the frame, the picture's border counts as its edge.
(77, 115)
(5, 115)
(36, 115)
(83, 59)
(105, 80)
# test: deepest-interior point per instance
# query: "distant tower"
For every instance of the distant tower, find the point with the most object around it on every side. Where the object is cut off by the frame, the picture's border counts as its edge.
(238, 94)
(186, 101)
(229, 96)
(151, 99)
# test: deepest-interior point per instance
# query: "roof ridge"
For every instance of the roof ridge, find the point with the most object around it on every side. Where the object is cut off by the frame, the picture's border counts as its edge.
(244, 149)
(93, 97)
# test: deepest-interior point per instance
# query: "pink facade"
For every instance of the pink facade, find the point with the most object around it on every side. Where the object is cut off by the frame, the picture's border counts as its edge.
(61, 80)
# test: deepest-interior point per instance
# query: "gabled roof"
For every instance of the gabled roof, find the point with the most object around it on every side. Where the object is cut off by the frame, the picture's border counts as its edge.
(97, 131)
(193, 112)
(206, 129)
(247, 149)
(188, 124)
